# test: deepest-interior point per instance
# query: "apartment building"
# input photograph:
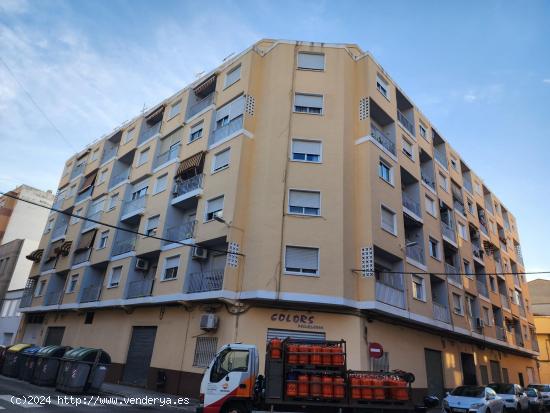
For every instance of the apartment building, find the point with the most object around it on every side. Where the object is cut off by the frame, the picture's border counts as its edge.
(296, 191)
(540, 306)
(21, 226)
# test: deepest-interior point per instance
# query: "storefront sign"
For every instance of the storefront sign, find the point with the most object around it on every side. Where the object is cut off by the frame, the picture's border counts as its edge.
(376, 350)
(300, 320)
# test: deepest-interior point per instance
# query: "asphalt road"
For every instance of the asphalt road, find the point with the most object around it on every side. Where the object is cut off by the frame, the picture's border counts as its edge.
(20, 396)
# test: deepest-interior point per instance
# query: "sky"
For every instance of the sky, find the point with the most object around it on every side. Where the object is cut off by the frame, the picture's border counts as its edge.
(480, 71)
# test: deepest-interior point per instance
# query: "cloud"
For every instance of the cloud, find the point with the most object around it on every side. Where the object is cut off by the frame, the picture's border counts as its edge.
(547, 81)
(485, 94)
(8, 7)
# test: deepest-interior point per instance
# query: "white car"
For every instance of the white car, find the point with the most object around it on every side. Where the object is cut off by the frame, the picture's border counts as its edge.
(513, 395)
(544, 390)
(473, 399)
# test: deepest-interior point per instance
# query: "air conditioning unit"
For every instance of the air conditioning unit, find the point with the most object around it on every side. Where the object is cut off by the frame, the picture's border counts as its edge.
(142, 265)
(479, 323)
(199, 253)
(209, 322)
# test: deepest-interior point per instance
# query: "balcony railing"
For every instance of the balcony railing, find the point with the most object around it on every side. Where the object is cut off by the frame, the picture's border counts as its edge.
(147, 131)
(503, 245)
(183, 187)
(448, 232)
(501, 333)
(519, 340)
(441, 312)
(382, 138)
(458, 206)
(200, 105)
(505, 301)
(90, 293)
(535, 344)
(405, 122)
(134, 205)
(83, 195)
(411, 204)
(180, 232)
(90, 224)
(26, 300)
(81, 256)
(53, 298)
(140, 288)
(119, 178)
(440, 156)
(167, 156)
(453, 274)
(498, 267)
(109, 152)
(58, 203)
(77, 170)
(415, 252)
(60, 231)
(223, 132)
(205, 281)
(522, 310)
(123, 246)
(390, 295)
(468, 185)
(483, 228)
(477, 251)
(428, 181)
(482, 288)
(516, 281)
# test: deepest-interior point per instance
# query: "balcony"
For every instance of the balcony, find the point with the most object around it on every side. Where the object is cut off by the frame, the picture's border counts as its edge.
(501, 333)
(53, 298)
(441, 313)
(167, 156)
(406, 123)
(84, 195)
(467, 183)
(535, 344)
(180, 232)
(458, 206)
(411, 205)
(133, 207)
(483, 228)
(140, 288)
(119, 178)
(148, 131)
(204, 281)
(58, 203)
(123, 246)
(448, 232)
(453, 274)
(184, 190)
(90, 293)
(382, 138)
(519, 340)
(26, 300)
(482, 288)
(223, 132)
(504, 301)
(90, 224)
(440, 156)
(478, 253)
(59, 232)
(78, 170)
(199, 106)
(391, 295)
(109, 152)
(522, 310)
(416, 253)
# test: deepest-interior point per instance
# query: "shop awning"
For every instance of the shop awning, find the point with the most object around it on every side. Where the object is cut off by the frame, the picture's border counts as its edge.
(155, 116)
(36, 255)
(65, 248)
(88, 182)
(193, 163)
(86, 240)
(206, 87)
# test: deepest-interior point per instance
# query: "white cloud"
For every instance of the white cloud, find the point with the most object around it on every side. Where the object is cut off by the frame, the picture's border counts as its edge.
(547, 81)
(486, 93)
(13, 6)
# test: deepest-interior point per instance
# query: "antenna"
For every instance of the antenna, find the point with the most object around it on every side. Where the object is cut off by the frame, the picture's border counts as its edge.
(199, 74)
(228, 56)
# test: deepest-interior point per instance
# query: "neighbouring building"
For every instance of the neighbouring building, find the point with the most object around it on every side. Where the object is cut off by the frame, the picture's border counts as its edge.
(322, 203)
(21, 226)
(540, 306)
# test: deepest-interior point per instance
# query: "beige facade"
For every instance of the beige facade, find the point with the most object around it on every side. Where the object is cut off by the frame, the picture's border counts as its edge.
(314, 188)
(540, 305)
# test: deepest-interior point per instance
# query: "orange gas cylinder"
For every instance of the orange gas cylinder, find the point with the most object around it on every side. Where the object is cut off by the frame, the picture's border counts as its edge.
(292, 351)
(275, 348)
(337, 356)
(401, 390)
(327, 387)
(339, 388)
(303, 356)
(366, 392)
(315, 386)
(355, 382)
(291, 388)
(315, 357)
(303, 385)
(378, 392)
(326, 357)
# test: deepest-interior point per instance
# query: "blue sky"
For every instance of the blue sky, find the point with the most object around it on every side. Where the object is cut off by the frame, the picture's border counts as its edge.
(479, 70)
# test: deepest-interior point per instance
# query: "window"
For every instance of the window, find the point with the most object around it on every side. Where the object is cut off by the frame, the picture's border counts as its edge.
(101, 176)
(232, 76)
(311, 61)
(443, 182)
(205, 351)
(152, 225)
(434, 248)
(304, 202)
(140, 193)
(142, 157)
(129, 135)
(458, 307)
(302, 260)
(49, 226)
(418, 287)
(388, 220)
(430, 206)
(492, 284)
(103, 238)
(196, 132)
(382, 86)
(114, 279)
(221, 160)
(306, 150)
(486, 316)
(113, 200)
(462, 231)
(95, 155)
(454, 163)
(40, 288)
(174, 109)
(305, 103)
(470, 206)
(214, 208)
(160, 183)
(171, 265)
(385, 171)
(74, 218)
(407, 148)
(89, 317)
(477, 188)
(72, 283)
(467, 269)
(423, 132)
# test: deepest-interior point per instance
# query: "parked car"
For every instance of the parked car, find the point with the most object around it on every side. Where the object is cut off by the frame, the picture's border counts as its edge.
(513, 395)
(535, 400)
(473, 399)
(544, 390)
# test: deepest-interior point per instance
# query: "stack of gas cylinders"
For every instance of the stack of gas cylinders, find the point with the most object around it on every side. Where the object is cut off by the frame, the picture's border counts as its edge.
(377, 386)
(315, 386)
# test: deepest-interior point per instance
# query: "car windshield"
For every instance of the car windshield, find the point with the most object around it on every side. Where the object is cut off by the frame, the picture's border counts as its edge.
(469, 391)
(501, 388)
(540, 387)
(531, 392)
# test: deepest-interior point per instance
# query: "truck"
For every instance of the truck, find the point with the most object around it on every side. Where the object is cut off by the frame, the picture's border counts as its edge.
(299, 376)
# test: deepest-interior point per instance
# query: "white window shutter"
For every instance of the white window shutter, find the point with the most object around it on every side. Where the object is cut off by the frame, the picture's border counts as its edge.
(233, 109)
(309, 147)
(215, 204)
(311, 61)
(233, 76)
(305, 199)
(302, 257)
(172, 262)
(221, 159)
(313, 101)
(387, 219)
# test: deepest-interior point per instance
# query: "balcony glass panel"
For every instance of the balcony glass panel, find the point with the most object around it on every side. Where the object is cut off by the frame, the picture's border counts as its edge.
(180, 232)
(183, 187)
(223, 132)
(199, 106)
(411, 204)
(441, 312)
(405, 122)
(124, 245)
(140, 288)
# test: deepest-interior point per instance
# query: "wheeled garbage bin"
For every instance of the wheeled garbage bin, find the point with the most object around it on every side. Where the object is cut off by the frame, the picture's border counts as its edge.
(48, 360)
(3, 350)
(26, 363)
(82, 370)
(11, 360)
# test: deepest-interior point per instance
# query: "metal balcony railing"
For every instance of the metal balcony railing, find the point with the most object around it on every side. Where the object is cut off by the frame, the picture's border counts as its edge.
(415, 252)
(109, 152)
(199, 106)
(477, 251)
(448, 232)
(405, 122)
(167, 156)
(441, 312)
(482, 288)
(382, 138)
(140, 288)
(180, 232)
(501, 333)
(440, 156)
(467, 184)
(77, 170)
(428, 181)
(83, 195)
(483, 228)
(498, 267)
(183, 187)
(535, 344)
(26, 300)
(58, 203)
(118, 178)
(123, 246)
(90, 293)
(90, 224)
(134, 205)
(519, 340)
(389, 294)
(453, 274)
(505, 301)
(59, 231)
(205, 281)
(223, 132)
(522, 310)
(53, 298)
(148, 131)
(411, 204)
(458, 206)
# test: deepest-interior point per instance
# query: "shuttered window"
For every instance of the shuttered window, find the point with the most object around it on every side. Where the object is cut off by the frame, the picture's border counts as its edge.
(171, 268)
(306, 150)
(232, 76)
(302, 260)
(296, 335)
(304, 202)
(152, 225)
(114, 280)
(214, 207)
(230, 111)
(205, 351)
(221, 160)
(306, 103)
(311, 61)
(196, 132)
(169, 146)
(388, 219)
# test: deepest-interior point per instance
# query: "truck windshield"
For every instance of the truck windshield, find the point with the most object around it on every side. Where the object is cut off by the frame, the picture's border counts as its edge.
(228, 361)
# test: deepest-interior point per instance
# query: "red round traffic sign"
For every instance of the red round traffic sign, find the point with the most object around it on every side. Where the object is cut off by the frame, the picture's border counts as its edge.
(376, 350)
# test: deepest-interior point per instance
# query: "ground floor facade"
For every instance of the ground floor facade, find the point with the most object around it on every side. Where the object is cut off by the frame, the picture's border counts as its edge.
(10, 317)
(542, 323)
(167, 348)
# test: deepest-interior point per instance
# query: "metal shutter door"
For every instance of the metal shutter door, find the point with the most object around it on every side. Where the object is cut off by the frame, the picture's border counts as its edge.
(299, 335)
(54, 336)
(139, 356)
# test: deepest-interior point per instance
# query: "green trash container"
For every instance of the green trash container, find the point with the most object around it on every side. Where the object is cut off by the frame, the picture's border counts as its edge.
(82, 370)
(11, 360)
(26, 363)
(48, 360)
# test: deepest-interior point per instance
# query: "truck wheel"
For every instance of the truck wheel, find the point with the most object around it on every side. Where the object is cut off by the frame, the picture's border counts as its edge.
(234, 408)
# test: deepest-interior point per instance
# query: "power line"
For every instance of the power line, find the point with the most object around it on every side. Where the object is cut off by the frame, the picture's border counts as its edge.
(119, 228)
(454, 273)
(37, 106)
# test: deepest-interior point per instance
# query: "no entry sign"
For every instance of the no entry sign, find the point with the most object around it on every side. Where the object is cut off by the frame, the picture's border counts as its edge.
(376, 350)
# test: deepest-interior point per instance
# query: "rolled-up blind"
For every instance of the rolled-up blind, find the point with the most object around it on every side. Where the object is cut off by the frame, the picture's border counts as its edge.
(304, 146)
(306, 199)
(232, 109)
(302, 257)
(221, 159)
(215, 204)
(312, 101)
(313, 61)
(387, 219)
(233, 76)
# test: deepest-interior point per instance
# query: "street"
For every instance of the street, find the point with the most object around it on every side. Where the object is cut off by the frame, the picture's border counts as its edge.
(17, 395)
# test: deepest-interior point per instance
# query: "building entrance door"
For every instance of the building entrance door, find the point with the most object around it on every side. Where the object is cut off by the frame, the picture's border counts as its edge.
(434, 373)
(139, 356)
(468, 369)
